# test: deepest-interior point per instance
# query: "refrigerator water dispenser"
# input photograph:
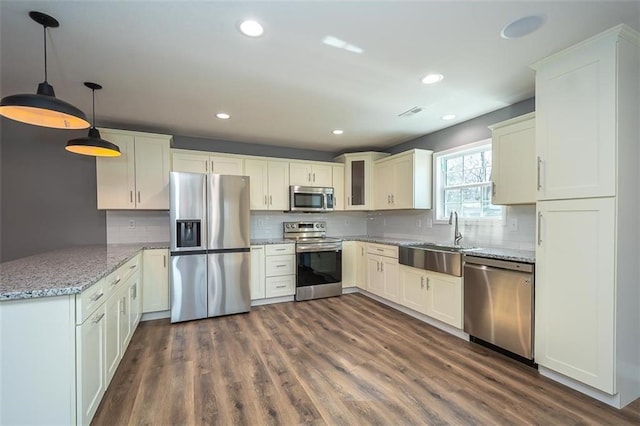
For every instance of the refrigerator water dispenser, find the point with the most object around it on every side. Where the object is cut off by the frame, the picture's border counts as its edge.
(188, 233)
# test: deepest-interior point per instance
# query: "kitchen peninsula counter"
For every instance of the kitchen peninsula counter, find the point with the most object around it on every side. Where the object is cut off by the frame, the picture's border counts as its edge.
(66, 271)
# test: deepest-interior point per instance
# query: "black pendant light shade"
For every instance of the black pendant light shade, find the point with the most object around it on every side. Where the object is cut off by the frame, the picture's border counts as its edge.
(43, 108)
(93, 144)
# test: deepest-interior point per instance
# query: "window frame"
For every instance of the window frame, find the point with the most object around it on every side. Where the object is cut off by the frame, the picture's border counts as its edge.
(438, 184)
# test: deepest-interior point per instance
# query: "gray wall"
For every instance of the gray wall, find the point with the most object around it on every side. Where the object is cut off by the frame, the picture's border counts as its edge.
(467, 132)
(48, 195)
(216, 145)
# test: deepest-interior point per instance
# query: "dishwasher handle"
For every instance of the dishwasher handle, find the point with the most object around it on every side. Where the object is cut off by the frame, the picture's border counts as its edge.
(477, 262)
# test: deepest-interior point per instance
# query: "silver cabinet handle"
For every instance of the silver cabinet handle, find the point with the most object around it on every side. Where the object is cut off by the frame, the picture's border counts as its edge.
(348, 201)
(388, 199)
(362, 250)
(123, 305)
(270, 200)
(115, 282)
(131, 196)
(381, 267)
(164, 261)
(281, 286)
(538, 175)
(314, 177)
(133, 266)
(539, 226)
(393, 199)
(138, 196)
(377, 266)
(97, 296)
(281, 266)
(206, 166)
(265, 200)
(378, 249)
(493, 189)
(309, 177)
(134, 292)
(98, 319)
(428, 282)
(421, 282)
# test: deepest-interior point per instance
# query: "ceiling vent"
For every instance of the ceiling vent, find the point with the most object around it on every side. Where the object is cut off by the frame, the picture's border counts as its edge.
(411, 112)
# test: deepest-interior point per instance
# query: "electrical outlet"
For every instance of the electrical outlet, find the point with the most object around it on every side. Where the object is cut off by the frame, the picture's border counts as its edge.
(513, 224)
(346, 221)
(261, 223)
(132, 224)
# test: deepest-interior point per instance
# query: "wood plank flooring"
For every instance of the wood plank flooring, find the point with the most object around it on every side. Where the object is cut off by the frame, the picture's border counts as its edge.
(340, 361)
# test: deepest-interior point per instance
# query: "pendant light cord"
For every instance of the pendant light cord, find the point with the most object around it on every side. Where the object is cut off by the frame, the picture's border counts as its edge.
(44, 32)
(93, 95)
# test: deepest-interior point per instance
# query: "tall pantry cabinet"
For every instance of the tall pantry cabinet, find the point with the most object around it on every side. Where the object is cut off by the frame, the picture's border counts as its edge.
(588, 233)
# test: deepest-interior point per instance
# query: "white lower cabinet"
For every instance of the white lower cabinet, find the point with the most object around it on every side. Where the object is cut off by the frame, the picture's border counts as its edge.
(280, 286)
(382, 271)
(90, 365)
(155, 282)
(431, 293)
(112, 336)
(349, 264)
(257, 273)
(361, 264)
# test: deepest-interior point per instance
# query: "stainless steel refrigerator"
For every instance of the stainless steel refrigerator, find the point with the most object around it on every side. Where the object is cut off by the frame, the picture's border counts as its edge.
(210, 245)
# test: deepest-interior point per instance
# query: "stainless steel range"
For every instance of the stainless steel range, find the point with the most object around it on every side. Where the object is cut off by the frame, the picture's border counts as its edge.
(318, 258)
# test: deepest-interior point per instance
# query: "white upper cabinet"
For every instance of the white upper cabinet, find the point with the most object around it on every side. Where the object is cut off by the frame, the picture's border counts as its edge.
(358, 179)
(403, 181)
(577, 95)
(310, 174)
(205, 162)
(139, 178)
(269, 184)
(513, 151)
(338, 187)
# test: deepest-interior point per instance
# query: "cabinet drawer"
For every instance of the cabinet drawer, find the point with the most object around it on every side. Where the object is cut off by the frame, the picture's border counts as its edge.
(382, 250)
(89, 300)
(280, 265)
(129, 268)
(276, 249)
(281, 286)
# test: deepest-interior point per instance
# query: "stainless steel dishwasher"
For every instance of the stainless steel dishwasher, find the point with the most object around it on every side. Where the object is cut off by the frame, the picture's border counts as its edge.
(498, 303)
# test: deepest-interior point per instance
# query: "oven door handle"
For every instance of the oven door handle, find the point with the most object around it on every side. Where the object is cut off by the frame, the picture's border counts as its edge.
(318, 247)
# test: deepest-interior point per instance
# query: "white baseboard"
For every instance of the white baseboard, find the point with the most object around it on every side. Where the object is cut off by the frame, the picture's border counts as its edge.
(417, 315)
(150, 316)
(349, 290)
(613, 400)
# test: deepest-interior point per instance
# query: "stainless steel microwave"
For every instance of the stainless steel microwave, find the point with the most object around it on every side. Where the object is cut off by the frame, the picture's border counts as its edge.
(310, 199)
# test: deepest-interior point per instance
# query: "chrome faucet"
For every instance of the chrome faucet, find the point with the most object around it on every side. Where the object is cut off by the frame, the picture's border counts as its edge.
(453, 219)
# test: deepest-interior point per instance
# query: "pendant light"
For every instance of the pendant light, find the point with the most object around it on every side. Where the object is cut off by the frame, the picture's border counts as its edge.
(93, 144)
(43, 108)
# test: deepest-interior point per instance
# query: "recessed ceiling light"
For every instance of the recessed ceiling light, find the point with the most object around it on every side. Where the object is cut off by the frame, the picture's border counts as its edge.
(337, 132)
(432, 78)
(448, 116)
(251, 28)
(522, 27)
(341, 44)
(223, 116)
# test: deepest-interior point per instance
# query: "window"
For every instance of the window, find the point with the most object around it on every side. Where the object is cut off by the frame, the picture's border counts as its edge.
(463, 182)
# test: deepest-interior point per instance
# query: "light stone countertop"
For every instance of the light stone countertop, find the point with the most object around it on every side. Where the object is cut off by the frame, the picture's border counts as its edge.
(65, 271)
(268, 241)
(526, 256)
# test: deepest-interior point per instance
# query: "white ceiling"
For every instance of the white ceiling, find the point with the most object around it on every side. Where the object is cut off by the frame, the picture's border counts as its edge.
(169, 66)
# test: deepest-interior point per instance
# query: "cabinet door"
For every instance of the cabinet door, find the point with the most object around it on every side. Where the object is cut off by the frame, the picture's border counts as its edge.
(135, 305)
(338, 187)
(152, 173)
(349, 264)
(391, 278)
(257, 273)
(115, 177)
(112, 333)
(375, 282)
(300, 174)
(514, 163)
(321, 175)
(355, 178)
(361, 265)
(190, 163)
(384, 181)
(403, 183)
(257, 171)
(155, 281)
(575, 290)
(576, 123)
(413, 291)
(90, 365)
(227, 166)
(444, 298)
(278, 185)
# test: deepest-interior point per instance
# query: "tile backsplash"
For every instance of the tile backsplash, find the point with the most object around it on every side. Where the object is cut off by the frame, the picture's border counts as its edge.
(133, 226)
(516, 231)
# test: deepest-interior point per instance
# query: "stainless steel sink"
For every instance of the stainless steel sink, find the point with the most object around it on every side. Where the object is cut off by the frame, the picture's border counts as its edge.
(433, 257)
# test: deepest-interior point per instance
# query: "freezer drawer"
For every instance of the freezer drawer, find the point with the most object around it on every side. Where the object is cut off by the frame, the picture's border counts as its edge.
(498, 306)
(188, 279)
(229, 282)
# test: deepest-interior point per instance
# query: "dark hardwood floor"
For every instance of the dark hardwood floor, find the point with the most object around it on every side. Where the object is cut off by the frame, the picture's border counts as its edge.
(345, 360)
